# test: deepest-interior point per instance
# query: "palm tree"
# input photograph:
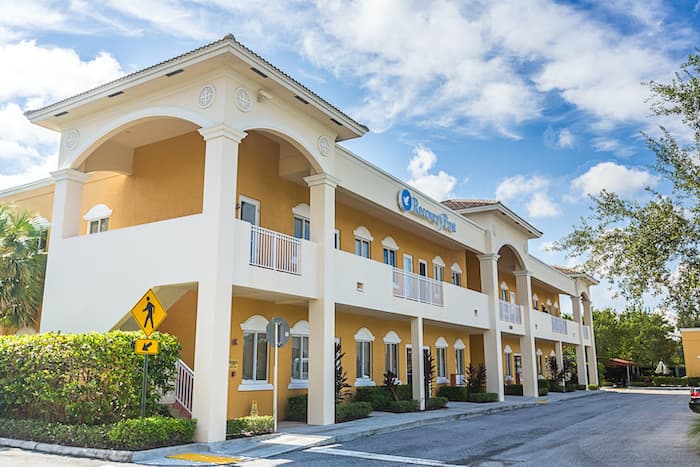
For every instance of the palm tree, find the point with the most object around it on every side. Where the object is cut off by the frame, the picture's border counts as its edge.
(22, 268)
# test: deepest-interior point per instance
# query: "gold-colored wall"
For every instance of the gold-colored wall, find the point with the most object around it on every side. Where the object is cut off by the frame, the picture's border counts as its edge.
(38, 201)
(182, 322)
(543, 296)
(691, 352)
(509, 279)
(547, 348)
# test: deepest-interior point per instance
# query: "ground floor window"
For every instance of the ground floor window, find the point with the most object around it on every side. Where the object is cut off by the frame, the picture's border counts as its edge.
(539, 365)
(392, 358)
(441, 363)
(255, 356)
(300, 358)
(364, 360)
(459, 355)
(509, 364)
(409, 366)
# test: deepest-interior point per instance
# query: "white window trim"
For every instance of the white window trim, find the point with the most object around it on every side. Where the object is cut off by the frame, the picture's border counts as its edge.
(437, 260)
(422, 261)
(459, 345)
(98, 211)
(392, 338)
(255, 202)
(455, 268)
(464, 356)
(302, 210)
(256, 324)
(300, 329)
(441, 343)
(364, 335)
(254, 386)
(390, 244)
(363, 234)
(507, 354)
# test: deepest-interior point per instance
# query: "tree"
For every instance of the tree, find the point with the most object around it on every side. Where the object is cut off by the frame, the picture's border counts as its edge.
(22, 268)
(341, 376)
(654, 246)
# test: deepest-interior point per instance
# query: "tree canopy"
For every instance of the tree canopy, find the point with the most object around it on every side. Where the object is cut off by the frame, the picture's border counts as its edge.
(654, 246)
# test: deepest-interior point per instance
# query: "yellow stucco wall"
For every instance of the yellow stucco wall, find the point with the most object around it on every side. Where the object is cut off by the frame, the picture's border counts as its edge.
(547, 348)
(38, 201)
(691, 351)
(509, 279)
(181, 322)
(514, 343)
(543, 296)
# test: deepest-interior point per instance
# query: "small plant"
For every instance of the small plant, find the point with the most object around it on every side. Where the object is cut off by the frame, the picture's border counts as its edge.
(453, 393)
(391, 383)
(351, 411)
(297, 407)
(436, 403)
(429, 376)
(476, 378)
(341, 376)
(403, 406)
(249, 426)
(592, 387)
(481, 397)
(513, 389)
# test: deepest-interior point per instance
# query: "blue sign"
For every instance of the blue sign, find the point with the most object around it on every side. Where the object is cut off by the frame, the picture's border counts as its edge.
(409, 203)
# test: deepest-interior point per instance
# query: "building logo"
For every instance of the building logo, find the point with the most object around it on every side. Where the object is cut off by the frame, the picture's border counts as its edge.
(409, 203)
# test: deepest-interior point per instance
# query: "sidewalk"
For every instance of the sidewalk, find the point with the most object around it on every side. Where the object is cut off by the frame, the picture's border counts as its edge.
(297, 436)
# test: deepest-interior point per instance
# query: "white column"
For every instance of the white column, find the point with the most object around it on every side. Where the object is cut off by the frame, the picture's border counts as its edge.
(493, 351)
(417, 364)
(592, 357)
(580, 346)
(523, 282)
(321, 406)
(559, 349)
(212, 340)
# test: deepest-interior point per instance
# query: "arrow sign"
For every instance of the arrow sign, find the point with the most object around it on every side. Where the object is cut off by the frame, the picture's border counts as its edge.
(146, 347)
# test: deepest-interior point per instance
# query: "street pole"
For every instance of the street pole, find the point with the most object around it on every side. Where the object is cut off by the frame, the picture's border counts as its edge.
(143, 386)
(274, 387)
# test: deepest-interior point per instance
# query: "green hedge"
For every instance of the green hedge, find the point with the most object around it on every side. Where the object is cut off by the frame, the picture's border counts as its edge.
(403, 406)
(481, 397)
(513, 389)
(81, 379)
(542, 391)
(436, 403)
(570, 387)
(675, 381)
(453, 393)
(380, 397)
(351, 411)
(543, 383)
(580, 387)
(297, 408)
(592, 387)
(132, 435)
(249, 426)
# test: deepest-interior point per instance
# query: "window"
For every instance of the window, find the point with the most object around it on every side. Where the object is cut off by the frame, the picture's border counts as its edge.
(300, 355)
(254, 354)
(459, 356)
(504, 291)
(249, 210)
(390, 248)
(438, 269)
(456, 274)
(441, 350)
(302, 224)
(540, 375)
(364, 340)
(409, 364)
(362, 242)
(509, 363)
(97, 219)
(535, 302)
(391, 348)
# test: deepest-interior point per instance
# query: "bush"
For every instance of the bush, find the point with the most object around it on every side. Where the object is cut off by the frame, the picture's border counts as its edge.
(592, 387)
(378, 397)
(693, 380)
(513, 389)
(436, 403)
(82, 379)
(580, 387)
(542, 391)
(403, 406)
(481, 397)
(570, 387)
(297, 408)
(405, 392)
(669, 381)
(543, 383)
(351, 411)
(249, 426)
(132, 434)
(638, 384)
(453, 393)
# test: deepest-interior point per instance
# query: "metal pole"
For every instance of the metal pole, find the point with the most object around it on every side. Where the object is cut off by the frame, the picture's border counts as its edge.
(143, 386)
(274, 387)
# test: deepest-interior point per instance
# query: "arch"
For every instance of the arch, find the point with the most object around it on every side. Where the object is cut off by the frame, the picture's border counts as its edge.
(364, 335)
(362, 233)
(437, 260)
(255, 323)
(455, 268)
(98, 211)
(290, 135)
(302, 210)
(504, 249)
(392, 338)
(300, 328)
(390, 243)
(459, 344)
(441, 343)
(507, 349)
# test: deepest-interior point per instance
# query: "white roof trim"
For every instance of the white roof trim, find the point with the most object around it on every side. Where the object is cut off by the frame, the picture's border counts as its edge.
(390, 243)
(302, 210)
(437, 260)
(455, 268)
(98, 211)
(441, 343)
(363, 335)
(255, 323)
(301, 328)
(392, 338)
(459, 344)
(363, 234)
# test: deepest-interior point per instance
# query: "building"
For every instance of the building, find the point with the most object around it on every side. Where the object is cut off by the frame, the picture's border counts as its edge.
(215, 178)
(691, 351)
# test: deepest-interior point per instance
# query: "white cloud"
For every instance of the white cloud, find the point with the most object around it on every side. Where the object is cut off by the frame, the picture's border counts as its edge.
(540, 205)
(518, 185)
(437, 185)
(625, 181)
(33, 173)
(607, 144)
(566, 138)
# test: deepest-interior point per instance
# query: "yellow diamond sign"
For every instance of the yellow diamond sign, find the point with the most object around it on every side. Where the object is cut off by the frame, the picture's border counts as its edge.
(146, 347)
(148, 312)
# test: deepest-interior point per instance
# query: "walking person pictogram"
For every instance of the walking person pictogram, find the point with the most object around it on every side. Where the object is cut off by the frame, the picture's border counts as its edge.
(149, 315)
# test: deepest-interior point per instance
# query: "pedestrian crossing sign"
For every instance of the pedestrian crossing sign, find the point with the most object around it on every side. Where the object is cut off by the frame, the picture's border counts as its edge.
(148, 313)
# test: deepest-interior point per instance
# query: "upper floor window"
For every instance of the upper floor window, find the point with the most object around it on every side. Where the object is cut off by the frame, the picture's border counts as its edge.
(97, 219)
(504, 291)
(363, 240)
(249, 210)
(456, 274)
(302, 223)
(438, 269)
(389, 250)
(535, 302)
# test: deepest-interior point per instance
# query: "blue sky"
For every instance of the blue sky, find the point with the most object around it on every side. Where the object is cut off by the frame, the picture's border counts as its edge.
(535, 102)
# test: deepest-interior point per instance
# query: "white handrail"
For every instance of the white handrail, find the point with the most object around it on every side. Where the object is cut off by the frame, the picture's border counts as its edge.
(416, 287)
(274, 250)
(510, 312)
(558, 325)
(184, 386)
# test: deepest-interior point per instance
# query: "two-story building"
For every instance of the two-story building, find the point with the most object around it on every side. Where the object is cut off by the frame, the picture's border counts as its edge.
(217, 179)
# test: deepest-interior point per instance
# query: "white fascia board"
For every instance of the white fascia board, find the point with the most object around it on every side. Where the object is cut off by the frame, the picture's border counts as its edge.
(44, 182)
(533, 231)
(557, 272)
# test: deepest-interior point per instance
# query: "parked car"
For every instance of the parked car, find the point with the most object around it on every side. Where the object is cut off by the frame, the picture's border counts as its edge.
(694, 403)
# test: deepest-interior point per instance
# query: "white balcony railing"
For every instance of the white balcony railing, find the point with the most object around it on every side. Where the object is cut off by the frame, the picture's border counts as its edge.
(274, 250)
(184, 386)
(510, 312)
(416, 287)
(558, 325)
(586, 332)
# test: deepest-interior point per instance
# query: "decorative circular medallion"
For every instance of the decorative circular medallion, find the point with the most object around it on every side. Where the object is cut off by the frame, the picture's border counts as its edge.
(324, 145)
(206, 96)
(70, 140)
(242, 99)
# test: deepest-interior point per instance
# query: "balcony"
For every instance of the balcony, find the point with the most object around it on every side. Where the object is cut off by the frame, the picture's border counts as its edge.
(274, 250)
(558, 325)
(418, 288)
(511, 317)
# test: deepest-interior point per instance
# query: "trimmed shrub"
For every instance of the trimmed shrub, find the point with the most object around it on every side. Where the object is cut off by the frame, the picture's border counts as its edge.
(592, 387)
(132, 434)
(378, 397)
(542, 391)
(249, 426)
(543, 383)
(481, 397)
(82, 379)
(580, 387)
(570, 387)
(436, 403)
(669, 381)
(403, 406)
(453, 393)
(513, 389)
(693, 380)
(351, 411)
(638, 384)
(405, 392)
(297, 408)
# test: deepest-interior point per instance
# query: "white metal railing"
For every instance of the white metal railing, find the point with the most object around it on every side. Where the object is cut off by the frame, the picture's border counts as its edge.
(416, 287)
(184, 386)
(510, 312)
(586, 332)
(274, 250)
(558, 325)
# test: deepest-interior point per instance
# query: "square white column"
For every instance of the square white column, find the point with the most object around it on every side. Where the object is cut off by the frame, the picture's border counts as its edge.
(417, 363)
(592, 356)
(580, 346)
(493, 352)
(523, 281)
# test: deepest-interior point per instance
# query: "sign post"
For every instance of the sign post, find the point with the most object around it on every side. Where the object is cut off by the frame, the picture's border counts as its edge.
(277, 335)
(152, 312)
